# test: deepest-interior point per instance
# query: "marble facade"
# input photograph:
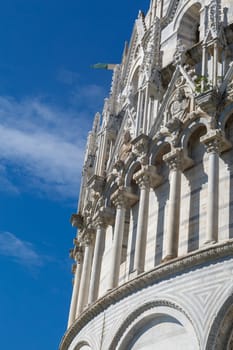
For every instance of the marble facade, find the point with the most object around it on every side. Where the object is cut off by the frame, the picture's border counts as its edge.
(154, 248)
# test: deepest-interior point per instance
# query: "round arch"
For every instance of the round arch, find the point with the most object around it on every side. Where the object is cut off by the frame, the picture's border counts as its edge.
(220, 335)
(83, 346)
(225, 115)
(148, 319)
(190, 129)
(190, 13)
(132, 168)
(158, 147)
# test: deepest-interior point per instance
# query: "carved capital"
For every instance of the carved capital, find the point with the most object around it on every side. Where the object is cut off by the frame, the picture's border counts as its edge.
(215, 141)
(104, 217)
(147, 177)
(123, 198)
(177, 160)
(87, 238)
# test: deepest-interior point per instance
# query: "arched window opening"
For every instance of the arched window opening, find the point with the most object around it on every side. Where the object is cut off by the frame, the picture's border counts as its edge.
(189, 29)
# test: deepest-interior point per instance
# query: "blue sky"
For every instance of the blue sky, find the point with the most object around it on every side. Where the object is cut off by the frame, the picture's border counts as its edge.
(48, 96)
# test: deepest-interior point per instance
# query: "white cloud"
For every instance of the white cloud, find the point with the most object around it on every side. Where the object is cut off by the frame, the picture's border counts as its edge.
(91, 95)
(20, 251)
(41, 147)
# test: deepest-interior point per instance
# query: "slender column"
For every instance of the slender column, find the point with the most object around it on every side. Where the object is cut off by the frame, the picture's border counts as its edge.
(120, 203)
(97, 260)
(145, 178)
(215, 143)
(215, 64)
(138, 118)
(145, 112)
(75, 293)
(204, 66)
(174, 162)
(121, 199)
(86, 274)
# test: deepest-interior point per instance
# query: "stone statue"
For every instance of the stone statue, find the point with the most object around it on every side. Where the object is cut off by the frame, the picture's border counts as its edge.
(126, 147)
(179, 104)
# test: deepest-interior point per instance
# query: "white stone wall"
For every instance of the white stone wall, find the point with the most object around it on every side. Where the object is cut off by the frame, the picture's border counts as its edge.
(198, 293)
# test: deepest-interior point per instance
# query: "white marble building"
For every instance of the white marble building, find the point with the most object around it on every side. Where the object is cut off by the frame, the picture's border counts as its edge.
(154, 250)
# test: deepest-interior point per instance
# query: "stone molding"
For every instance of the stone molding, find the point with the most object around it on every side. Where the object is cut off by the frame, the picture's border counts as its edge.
(210, 254)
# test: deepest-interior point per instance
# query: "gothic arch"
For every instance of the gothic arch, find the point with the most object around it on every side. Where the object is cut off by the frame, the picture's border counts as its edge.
(146, 313)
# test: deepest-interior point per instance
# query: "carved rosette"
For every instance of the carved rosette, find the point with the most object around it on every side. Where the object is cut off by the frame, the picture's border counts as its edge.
(177, 160)
(215, 141)
(123, 198)
(147, 177)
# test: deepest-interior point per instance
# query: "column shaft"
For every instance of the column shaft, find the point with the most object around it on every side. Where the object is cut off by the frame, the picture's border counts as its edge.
(212, 204)
(141, 235)
(138, 118)
(176, 161)
(173, 214)
(96, 265)
(215, 143)
(117, 246)
(75, 293)
(215, 65)
(85, 279)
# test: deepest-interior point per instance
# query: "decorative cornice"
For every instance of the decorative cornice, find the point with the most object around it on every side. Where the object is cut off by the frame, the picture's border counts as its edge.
(210, 254)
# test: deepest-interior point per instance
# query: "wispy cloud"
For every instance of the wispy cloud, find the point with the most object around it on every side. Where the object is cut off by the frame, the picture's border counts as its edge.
(91, 95)
(41, 147)
(20, 251)
(67, 76)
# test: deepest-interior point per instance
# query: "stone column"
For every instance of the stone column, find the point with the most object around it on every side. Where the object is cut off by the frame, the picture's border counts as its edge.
(146, 178)
(176, 162)
(215, 143)
(86, 273)
(78, 256)
(101, 226)
(121, 199)
(215, 64)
